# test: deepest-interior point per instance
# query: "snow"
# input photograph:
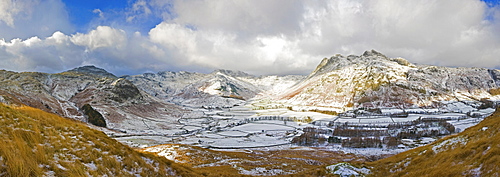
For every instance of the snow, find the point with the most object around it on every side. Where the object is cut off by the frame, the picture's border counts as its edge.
(235, 133)
(439, 147)
(91, 166)
(169, 152)
(262, 127)
(363, 151)
(260, 171)
(347, 170)
(260, 140)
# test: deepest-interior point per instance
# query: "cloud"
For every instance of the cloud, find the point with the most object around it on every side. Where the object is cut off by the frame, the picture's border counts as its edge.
(28, 18)
(105, 47)
(255, 36)
(260, 37)
(101, 37)
(99, 12)
(7, 10)
(258, 17)
(139, 8)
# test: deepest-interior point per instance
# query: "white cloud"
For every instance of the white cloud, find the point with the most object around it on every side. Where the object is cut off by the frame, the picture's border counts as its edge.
(12, 9)
(105, 47)
(7, 10)
(27, 18)
(99, 12)
(259, 17)
(101, 37)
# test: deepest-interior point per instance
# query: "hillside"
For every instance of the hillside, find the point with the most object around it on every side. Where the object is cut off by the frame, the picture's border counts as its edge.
(374, 80)
(124, 107)
(257, 162)
(36, 143)
(473, 152)
(221, 88)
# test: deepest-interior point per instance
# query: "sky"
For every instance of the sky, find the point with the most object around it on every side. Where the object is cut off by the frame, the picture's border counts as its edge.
(261, 37)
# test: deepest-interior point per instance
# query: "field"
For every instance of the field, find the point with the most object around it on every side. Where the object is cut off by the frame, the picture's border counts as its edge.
(271, 124)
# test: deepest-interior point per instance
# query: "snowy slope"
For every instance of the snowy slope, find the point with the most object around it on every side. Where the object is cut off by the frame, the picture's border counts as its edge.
(221, 88)
(374, 80)
(125, 108)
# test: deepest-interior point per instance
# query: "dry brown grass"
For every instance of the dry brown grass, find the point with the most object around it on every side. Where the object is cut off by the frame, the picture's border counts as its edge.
(494, 91)
(293, 162)
(37, 143)
(479, 155)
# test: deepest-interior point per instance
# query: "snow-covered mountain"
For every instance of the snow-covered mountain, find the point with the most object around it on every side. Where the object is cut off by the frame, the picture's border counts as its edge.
(123, 106)
(374, 80)
(221, 88)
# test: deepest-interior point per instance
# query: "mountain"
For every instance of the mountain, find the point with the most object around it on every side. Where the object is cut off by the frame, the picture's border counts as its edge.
(123, 106)
(374, 80)
(92, 70)
(473, 152)
(37, 143)
(221, 88)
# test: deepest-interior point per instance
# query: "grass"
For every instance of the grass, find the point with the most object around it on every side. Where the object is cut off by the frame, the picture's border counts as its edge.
(293, 162)
(494, 91)
(478, 155)
(37, 143)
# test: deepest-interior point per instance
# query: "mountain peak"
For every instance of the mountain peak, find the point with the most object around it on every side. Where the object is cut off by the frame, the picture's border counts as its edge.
(339, 61)
(232, 73)
(91, 69)
(373, 53)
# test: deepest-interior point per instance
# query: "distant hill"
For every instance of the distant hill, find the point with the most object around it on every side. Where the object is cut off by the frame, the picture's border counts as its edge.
(221, 88)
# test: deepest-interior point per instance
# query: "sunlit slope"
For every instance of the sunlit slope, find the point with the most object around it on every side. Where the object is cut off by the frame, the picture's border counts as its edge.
(474, 152)
(264, 162)
(37, 143)
(375, 80)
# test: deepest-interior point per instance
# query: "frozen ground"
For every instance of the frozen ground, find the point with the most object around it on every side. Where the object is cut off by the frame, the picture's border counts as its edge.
(244, 127)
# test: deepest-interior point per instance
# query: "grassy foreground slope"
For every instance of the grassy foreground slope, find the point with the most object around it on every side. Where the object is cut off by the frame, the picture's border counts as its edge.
(37, 143)
(473, 152)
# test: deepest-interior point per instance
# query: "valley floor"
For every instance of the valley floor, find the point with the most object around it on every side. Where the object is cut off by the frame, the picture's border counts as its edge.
(240, 138)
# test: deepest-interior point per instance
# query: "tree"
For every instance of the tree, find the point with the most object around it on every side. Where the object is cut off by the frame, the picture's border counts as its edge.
(94, 117)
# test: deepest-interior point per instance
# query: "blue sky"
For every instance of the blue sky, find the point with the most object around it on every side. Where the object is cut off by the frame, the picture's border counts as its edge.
(255, 36)
(86, 15)
(82, 12)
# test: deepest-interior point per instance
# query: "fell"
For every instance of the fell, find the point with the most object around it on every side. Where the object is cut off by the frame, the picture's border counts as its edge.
(37, 143)
(473, 152)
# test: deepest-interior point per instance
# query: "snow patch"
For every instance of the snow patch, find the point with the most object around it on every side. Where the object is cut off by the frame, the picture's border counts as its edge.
(347, 170)
(261, 171)
(439, 147)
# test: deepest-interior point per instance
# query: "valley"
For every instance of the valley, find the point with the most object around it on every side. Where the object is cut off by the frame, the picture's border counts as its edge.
(356, 109)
